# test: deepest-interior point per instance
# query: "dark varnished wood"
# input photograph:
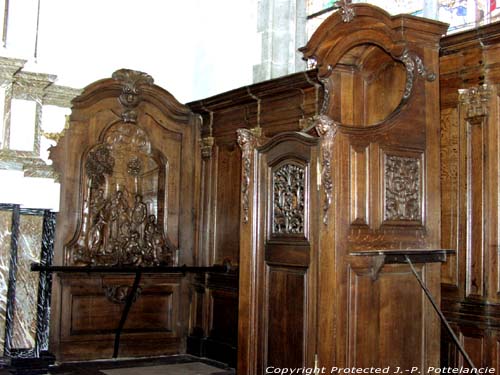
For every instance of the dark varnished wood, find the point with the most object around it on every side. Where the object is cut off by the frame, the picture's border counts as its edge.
(353, 206)
(469, 176)
(128, 156)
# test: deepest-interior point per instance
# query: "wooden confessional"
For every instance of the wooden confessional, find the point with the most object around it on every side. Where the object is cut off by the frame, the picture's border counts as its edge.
(335, 190)
(332, 214)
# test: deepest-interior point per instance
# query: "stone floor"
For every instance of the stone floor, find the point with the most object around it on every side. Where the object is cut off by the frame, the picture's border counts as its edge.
(195, 368)
(171, 365)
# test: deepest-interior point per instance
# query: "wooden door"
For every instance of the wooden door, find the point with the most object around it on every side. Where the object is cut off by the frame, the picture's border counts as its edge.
(278, 256)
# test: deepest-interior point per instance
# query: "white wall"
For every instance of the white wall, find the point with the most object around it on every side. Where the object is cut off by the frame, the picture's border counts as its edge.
(192, 48)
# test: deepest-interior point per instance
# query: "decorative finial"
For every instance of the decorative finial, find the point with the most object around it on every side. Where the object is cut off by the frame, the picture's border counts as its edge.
(130, 97)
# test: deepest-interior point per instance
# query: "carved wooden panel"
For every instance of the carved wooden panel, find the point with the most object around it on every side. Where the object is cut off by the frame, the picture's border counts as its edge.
(285, 327)
(93, 313)
(402, 188)
(288, 201)
(128, 169)
(380, 331)
(227, 208)
(360, 185)
(450, 138)
(125, 179)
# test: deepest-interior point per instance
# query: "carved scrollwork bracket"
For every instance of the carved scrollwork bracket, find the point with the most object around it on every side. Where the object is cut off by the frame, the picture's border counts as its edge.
(414, 65)
(130, 97)
(206, 145)
(119, 293)
(248, 139)
(327, 129)
(475, 101)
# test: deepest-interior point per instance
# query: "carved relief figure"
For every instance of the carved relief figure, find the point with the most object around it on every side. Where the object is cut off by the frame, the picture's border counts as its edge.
(402, 188)
(139, 213)
(119, 226)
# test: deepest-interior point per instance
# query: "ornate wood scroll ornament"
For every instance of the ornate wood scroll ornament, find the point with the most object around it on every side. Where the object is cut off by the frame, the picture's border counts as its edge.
(402, 188)
(130, 97)
(475, 100)
(247, 140)
(414, 65)
(326, 129)
(288, 199)
(347, 11)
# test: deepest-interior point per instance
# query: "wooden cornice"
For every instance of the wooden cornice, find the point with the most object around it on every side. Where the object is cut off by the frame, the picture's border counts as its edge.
(248, 94)
(482, 36)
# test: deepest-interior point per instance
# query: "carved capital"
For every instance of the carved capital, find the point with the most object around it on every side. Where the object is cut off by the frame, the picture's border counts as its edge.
(130, 97)
(206, 145)
(475, 101)
(327, 129)
(247, 140)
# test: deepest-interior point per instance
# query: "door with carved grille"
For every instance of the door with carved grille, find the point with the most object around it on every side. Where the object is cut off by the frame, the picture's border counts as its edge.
(280, 252)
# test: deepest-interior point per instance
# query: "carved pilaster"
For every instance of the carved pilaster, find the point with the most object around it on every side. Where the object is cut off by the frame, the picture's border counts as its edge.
(247, 140)
(326, 129)
(130, 97)
(206, 145)
(475, 101)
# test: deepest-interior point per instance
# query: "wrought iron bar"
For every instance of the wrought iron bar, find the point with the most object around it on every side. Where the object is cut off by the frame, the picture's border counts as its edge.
(440, 313)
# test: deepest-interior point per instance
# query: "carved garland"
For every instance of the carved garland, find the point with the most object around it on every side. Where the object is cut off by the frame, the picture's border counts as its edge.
(247, 140)
(326, 129)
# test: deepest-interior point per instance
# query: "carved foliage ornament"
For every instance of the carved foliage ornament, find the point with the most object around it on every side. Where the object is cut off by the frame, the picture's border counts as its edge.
(99, 163)
(326, 129)
(247, 140)
(414, 65)
(475, 100)
(119, 293)
(130, 97)
(403, 197)
(206, 145)
(288, 199)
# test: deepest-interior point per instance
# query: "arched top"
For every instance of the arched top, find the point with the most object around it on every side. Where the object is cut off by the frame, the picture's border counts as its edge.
(289, 136)
(370, 25)
(131, 87)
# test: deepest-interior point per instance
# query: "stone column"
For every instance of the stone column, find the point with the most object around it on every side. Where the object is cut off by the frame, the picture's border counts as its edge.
(281, 25)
